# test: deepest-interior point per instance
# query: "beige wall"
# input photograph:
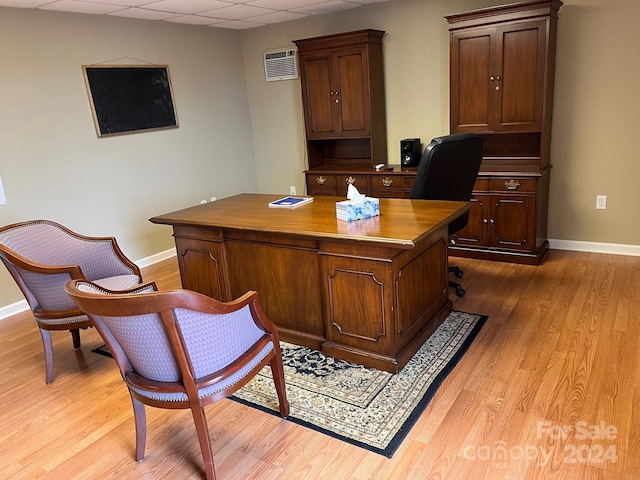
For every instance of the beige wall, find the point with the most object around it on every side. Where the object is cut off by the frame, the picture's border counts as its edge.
(54, 166)
(594, 128)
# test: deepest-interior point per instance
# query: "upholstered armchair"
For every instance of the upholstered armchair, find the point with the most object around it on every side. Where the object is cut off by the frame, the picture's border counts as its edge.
(182, 349)
(42, 256)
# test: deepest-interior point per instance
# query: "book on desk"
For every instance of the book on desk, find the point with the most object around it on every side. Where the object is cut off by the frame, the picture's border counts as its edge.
(290, 202)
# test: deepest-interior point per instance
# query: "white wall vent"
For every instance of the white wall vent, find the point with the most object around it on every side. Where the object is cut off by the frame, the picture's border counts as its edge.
(280, 64)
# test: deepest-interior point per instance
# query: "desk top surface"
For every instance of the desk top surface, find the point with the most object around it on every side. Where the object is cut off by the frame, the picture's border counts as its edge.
(402, 222)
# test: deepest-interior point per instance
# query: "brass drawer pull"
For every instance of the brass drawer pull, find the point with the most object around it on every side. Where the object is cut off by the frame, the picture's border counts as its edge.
(350, 180)
(511, 184)
(320, 180)
(387, 182)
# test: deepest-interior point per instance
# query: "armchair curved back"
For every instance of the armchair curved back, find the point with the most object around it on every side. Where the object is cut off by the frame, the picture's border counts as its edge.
(42, 256)
(178, 336)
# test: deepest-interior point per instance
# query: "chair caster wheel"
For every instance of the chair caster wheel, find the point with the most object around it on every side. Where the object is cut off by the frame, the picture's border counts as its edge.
(459, 274)
(460, 292)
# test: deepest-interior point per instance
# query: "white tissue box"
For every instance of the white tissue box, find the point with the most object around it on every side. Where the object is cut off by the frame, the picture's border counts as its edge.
(348, 211)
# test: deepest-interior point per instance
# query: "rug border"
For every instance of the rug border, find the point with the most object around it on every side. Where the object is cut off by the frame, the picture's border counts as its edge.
(399, 437)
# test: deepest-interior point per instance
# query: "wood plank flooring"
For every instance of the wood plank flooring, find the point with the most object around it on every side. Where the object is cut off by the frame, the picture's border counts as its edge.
(548, 390)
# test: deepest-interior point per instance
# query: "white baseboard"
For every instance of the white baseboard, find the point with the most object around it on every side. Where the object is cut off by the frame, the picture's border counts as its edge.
(158, 257)
(575, 245)
(21, 306)
(595, 247)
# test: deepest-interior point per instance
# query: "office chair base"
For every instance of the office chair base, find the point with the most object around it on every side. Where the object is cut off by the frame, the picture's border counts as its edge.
(456, 271)
(460, 292)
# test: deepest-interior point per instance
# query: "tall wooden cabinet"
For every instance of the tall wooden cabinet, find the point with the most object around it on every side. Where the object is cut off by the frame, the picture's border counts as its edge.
(344, 109)
(502, 72)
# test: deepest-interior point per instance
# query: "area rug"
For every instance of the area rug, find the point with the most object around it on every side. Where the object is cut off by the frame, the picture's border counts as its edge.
(369, 408)
(363, 406)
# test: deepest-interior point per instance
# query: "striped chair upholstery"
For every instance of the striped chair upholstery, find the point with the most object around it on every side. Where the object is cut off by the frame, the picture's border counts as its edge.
(181, 349)
(42, 256)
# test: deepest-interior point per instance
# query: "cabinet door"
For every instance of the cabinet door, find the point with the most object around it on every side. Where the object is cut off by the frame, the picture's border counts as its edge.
(519, 76)
(497, 78)
(471, 94)
(512, 222)
(317, 94)
(475, 233)
(352, 92)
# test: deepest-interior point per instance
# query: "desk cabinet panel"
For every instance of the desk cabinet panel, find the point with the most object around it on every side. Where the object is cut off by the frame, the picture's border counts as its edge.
(204, 260)
(297, 300)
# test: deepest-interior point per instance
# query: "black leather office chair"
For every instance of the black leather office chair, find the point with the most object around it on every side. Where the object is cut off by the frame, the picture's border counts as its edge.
(448, 170)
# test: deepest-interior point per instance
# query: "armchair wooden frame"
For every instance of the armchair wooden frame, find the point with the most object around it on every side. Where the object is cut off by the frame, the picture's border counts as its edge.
(188, 391)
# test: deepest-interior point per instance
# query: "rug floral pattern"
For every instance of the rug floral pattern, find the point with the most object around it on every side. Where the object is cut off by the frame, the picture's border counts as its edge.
(364, 406)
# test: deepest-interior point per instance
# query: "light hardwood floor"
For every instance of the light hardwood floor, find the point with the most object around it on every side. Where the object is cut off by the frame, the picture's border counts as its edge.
(549, 389)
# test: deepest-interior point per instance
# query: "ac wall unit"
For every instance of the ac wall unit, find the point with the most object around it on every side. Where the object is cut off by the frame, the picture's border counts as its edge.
(280, 64)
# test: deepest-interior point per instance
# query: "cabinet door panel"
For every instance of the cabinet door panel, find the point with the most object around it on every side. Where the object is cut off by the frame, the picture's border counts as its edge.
(353, 91)
(512, 222)
(475, 233)
(318, 95)
(471, 94)
(520, 51)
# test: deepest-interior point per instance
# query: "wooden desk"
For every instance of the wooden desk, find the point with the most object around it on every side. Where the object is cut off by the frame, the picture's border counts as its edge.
(369, 291)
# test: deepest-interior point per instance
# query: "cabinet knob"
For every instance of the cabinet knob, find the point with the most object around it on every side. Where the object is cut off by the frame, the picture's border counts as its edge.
(485, 221)
(491, 221)
(498, 78)
(512, 184)
(497, 87)
(387, 182)
(320, 180)
(492, 78)
(350, 180)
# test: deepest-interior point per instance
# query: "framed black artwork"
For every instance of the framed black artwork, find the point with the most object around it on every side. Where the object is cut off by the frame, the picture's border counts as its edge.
(130, 98)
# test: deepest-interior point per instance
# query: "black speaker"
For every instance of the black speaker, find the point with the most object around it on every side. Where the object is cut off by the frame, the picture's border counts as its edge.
(410, 152)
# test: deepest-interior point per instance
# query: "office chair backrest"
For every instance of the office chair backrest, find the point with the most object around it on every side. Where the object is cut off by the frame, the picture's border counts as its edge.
(448, 171)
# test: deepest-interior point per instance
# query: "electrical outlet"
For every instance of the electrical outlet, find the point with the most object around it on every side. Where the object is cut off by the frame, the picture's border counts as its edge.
(601, 202)
(213, 199)
(202, 202)
(292, 190)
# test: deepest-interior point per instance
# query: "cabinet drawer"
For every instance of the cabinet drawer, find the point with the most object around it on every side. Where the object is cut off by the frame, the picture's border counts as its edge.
(318, 180)
(512, 184)
(481, 185)
(358, 181)
(408, 181)
(388, 193)
(387, 181)
(321, 191)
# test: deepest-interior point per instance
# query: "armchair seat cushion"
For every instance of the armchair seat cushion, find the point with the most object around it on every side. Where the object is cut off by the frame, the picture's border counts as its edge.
(119, 282)
(73, 321)
(212, 389)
